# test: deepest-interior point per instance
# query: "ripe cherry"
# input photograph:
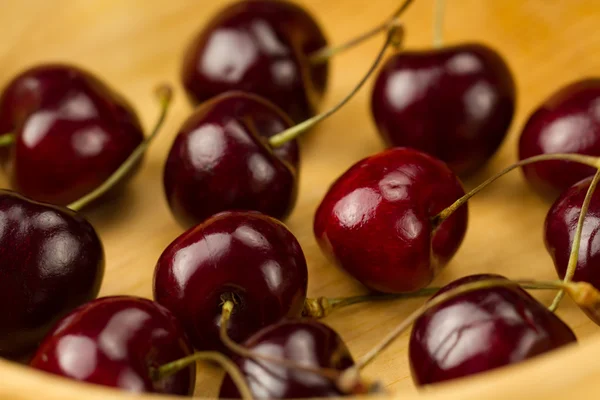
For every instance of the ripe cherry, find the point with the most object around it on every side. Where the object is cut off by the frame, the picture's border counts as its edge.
(70, 132)
(482, 330)
(567, 122)
(560, 232)
(245, 257)
(377, 220)
(307, 343)
(51, 261)
(455, 103)
(261, 47)
(220, 160)
(237, 152)
(118, 341)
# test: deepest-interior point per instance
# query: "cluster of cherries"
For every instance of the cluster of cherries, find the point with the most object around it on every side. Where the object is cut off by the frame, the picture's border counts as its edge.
(232, 288)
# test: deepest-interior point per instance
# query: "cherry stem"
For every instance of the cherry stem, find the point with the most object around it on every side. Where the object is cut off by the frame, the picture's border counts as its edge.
(7, 139)
(438, 23)
(321, 307)
(229, 366)
(395, 37)
(164, 93)
(574, 255)
(323, 55)
(578, 158)
(348, 385)
(582, 293)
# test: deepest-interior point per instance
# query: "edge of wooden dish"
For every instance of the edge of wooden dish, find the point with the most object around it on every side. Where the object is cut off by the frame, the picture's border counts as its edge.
(571, 371)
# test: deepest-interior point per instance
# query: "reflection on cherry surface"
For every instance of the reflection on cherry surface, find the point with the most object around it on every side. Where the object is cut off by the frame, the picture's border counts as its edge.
(246, 257)
(455, 103)
(115, 341)
(482, 330)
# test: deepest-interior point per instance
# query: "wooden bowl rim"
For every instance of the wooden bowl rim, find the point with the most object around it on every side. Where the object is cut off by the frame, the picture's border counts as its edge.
(564, 372)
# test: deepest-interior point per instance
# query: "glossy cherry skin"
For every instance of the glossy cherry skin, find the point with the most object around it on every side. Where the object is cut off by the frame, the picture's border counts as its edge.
(375, 220)
(51, 261)
(480, 331)
(72, 132)
(567, 122)
(116, 341)
(221, 160)
(261, 47)
(455, 103)
(559, 231)
(306, 342)
(246, 257)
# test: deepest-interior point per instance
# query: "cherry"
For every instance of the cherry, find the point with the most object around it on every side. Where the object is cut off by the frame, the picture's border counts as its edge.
(51, 261)
(262, 47)
(377, 220)
(482, 330)
(70, 132)
(237, 152)
(307, 343)
(567, 122)
(244, 257)
(220, 161)
(455, 103)
(117, 341)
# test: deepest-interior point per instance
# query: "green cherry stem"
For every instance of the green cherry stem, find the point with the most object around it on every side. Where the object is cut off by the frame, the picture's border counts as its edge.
(438, 23)
(593, 162)
(394, 38)
(582, 293)
(321, 307)
(229, 366)
(7, 139)
(164, 93)
(323, 55)
(574, 255)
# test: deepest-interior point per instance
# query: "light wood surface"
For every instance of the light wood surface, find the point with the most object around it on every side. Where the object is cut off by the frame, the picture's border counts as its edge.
(134, 44)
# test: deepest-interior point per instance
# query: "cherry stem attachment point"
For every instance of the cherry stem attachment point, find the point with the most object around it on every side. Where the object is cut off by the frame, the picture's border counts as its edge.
(7, 139)
(574, 255)
(323, 55)
(164, 94)
(394, 38)
(582, 293)
(321, 307)
(438, 23)
(348, 386)
(593, 162)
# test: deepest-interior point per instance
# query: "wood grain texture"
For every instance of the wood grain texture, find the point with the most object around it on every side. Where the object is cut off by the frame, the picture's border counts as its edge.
(135, 44)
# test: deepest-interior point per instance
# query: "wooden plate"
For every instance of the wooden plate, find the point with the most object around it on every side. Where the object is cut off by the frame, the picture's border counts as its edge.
(135, 44)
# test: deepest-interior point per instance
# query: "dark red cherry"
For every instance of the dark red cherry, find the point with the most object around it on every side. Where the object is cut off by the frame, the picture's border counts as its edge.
(482, 330)
(375, 221)
(455, 103)
(116, 341)
(304, 342)
(72, 132)
(51, 261)
(261, 47)
(559, 231)
(221, 160)
(246, 257)
(567, 122)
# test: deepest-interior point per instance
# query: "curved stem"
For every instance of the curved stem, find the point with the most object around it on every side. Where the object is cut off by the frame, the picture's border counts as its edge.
(7, 139)
(323, 55)
(175, 366)
(582, 292)
(574, 255)
(438, 23)
(395, 37)
(578, 158)
(163, 94)
(321, 307)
